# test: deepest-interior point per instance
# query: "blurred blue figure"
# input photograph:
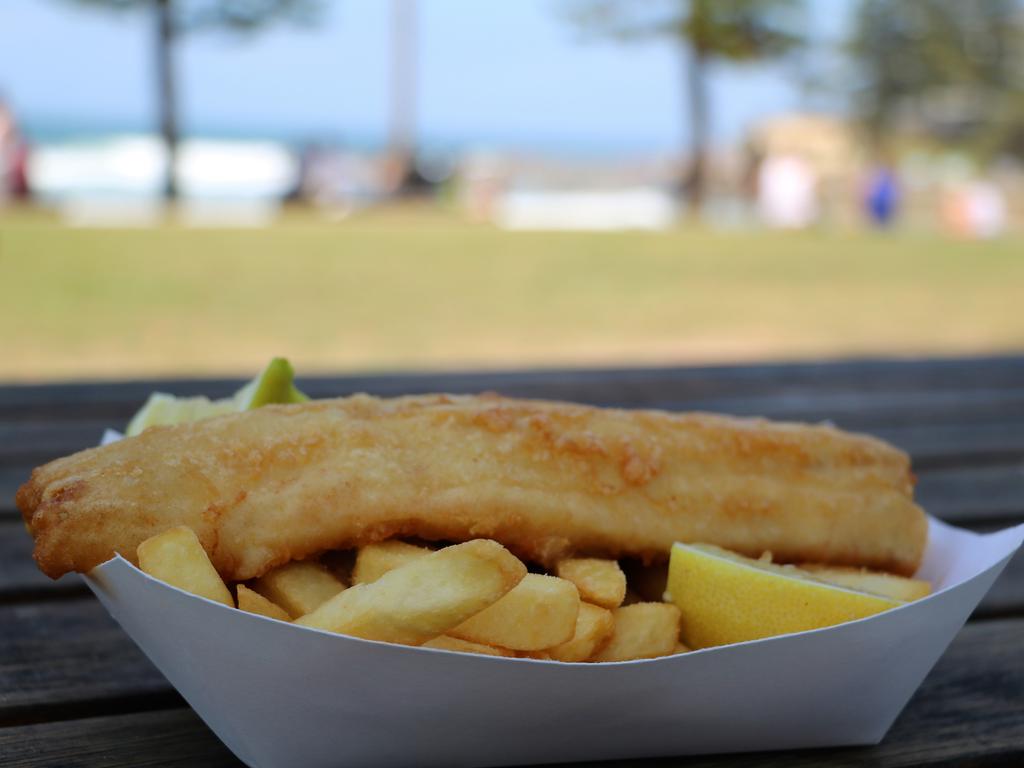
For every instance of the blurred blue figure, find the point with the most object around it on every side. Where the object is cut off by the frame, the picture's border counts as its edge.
(883, 196)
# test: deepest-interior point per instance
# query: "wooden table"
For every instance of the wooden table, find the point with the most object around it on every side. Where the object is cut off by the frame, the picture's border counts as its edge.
(74, 690)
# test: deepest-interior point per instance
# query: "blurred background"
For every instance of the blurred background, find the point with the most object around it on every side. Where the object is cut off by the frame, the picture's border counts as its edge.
(192, 186)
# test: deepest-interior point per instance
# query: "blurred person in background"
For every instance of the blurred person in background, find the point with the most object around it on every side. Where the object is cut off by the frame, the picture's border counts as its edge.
(975, 209)
(882, 195)
(787, 192)
(987, 206)
(13, 158)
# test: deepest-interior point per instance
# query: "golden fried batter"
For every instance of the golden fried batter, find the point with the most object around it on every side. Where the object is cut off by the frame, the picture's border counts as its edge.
(545, 479)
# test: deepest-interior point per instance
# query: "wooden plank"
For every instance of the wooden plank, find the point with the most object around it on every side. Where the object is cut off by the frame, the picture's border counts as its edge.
(947, 445)
(1006, 598)
(930, 444)
(164, 738)
(11, 478)
(20, 579)
(56, 433)
(69, 654)
(966, 713)
(970, 495)
(858, 411)
(851, 407)
(28, 442)
(637, 385)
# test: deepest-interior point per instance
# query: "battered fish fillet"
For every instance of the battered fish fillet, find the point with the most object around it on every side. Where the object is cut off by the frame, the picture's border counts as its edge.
(547, 480)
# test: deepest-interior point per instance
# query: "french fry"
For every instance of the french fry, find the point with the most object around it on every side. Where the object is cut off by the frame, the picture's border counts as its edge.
(539, 613)
(594, 626)
(884, 584)
(680, 648)
(425, 598)
(298, 587)
(600, 582)
(374, 560)
(254, 602)
(176, 557)
(449, 643)
(642, 631)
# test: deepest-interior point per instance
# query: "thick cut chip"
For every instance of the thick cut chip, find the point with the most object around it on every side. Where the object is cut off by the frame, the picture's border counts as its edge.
(539, 613)
(176, 557)
(425, 598)
(254, 602)
(728, 598)
(374, 560)
(449, 643)
(884, 584)
(299, 587)
(642, 631)
(594, 627)
(600, 582)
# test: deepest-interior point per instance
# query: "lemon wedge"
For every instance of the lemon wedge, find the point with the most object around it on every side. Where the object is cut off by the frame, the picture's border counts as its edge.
(727, 598)
(274, 385)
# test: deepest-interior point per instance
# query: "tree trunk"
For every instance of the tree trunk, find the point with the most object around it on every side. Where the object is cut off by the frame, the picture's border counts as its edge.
(403, 75)
(696, 75)
(403, 95)
(166, 96)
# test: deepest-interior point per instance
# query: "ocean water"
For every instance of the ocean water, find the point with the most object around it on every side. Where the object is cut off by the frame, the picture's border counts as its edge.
(119, 160)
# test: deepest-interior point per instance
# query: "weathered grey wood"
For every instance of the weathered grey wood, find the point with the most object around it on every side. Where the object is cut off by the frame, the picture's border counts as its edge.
(859, 410)
(948, 445)
(852, 408)
(1006, 598)
(971, 495)
(27, 442)
(48, 437)
(57, 431)
(638, 386)
(20, 579)
(175, 737)
(11, 477)
(968, 712)
(70, 655)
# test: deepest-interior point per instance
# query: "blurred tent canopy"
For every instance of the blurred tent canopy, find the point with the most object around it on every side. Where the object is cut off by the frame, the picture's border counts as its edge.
(952, 71)
(706, 31)
(174, 18)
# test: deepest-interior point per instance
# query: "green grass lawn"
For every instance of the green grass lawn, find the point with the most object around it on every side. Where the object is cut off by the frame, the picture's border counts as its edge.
(424, 290)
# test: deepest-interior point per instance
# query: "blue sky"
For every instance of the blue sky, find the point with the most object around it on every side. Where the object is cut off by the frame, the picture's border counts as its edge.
(490, 73)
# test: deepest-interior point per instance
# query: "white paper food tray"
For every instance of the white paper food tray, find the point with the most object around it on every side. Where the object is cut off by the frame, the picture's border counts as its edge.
(280, 695)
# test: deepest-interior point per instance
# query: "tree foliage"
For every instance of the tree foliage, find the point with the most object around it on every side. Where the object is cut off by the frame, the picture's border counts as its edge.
(733, 30)
(951, 69)
(175, 18)
(233, 15)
